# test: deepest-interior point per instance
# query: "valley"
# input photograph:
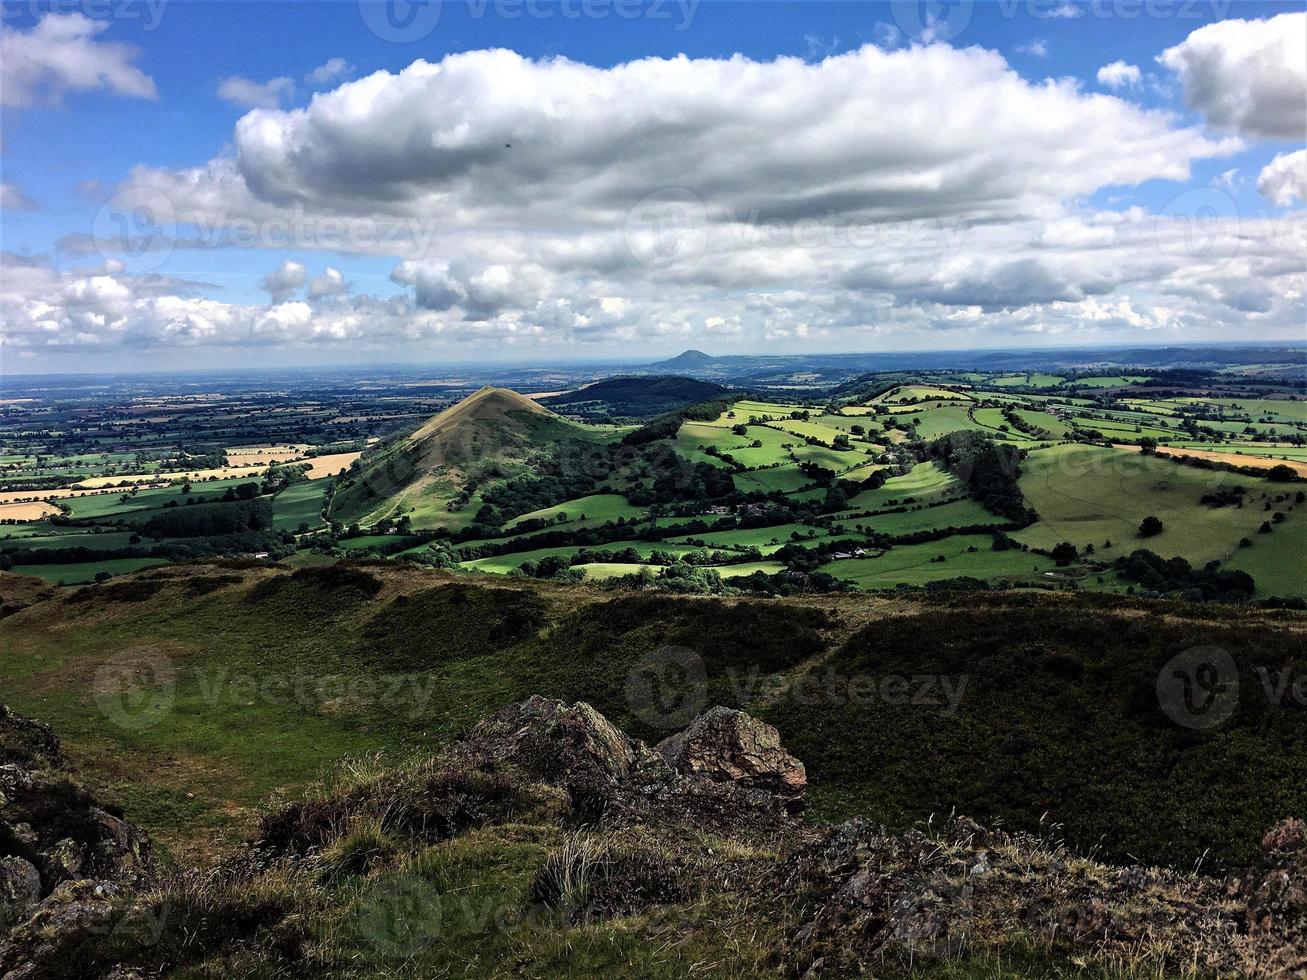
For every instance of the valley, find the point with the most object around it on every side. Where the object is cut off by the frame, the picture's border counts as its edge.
(872, 481)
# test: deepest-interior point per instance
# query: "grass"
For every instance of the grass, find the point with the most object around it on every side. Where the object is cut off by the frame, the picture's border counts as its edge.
(299, 503)
(924, 483)
(1089, 494)
(918, 564)
(75, 573)
(597, 508)
(1275, 560)
(275, 683)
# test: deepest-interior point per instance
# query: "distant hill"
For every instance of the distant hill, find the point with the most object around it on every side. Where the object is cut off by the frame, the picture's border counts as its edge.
(686, 360)
(635, 397)
(493, 430)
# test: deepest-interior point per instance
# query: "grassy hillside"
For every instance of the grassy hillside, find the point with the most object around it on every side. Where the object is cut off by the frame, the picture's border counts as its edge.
(423, 475)
(1037, 707)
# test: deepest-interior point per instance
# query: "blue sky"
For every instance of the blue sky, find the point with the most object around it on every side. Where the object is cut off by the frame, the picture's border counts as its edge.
(69, 146)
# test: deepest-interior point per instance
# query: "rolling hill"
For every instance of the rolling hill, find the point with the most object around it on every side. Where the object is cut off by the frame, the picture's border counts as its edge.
(635, 397)
(493, 432)
(686, 360)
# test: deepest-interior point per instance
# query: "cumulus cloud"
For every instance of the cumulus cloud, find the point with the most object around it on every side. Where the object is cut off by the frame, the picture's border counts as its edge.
(284, 281)
(13, 198)
(1284, 179)
(1249, 76)
(874, 197)
(60, 54)
(331, 70)
(1119, 75)
(248, 93)
(489, 137)
(1038, 48)
(330, 283)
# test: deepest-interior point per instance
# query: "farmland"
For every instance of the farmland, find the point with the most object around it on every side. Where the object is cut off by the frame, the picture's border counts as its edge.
(844, 486)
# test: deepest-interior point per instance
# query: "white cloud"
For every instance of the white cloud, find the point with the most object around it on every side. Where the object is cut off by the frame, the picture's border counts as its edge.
(488, 137)
(284, 281)
(13, 198)
(1119, 75)
(1229, 179)
(875, 197)
(60, 55)
(1038, 48)
(1249, 76)
(1284, 179)
(330, 283)
(251, 94)
(333, 69)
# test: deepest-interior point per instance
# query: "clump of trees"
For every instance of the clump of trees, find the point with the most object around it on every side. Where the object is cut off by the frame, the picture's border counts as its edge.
(989, 470)
(1168, 575)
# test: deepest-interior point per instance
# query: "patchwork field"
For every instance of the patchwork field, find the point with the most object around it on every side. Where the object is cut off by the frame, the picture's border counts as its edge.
(783, 487)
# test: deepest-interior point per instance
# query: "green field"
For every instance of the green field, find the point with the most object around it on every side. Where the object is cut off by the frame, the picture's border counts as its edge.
(1277, 561)
(1089, 495)
(594, 509)
(75, 573)
(918, 564)
(299, 503)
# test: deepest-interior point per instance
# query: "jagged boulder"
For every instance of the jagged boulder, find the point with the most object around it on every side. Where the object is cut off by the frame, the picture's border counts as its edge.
(66, 856)
(27, 742)
(728, 746)
(570, 746)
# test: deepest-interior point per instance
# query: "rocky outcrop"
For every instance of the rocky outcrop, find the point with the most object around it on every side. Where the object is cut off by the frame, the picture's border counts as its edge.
(572, 746)
(876, 894)
(56, 840)
(728, 746)
(17, 592)
(643, 831)
(27, 742)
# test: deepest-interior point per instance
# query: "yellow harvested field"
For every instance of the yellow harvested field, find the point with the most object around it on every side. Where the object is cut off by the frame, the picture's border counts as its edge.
(1237, 459)
(26, 512)
(263, 455)
(33, 496)
(329, 465)
(219, 473)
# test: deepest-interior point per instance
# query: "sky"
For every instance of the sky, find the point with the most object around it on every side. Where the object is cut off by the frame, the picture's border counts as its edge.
(192, 184)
